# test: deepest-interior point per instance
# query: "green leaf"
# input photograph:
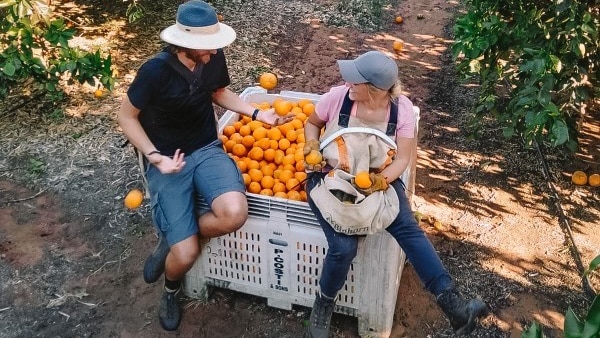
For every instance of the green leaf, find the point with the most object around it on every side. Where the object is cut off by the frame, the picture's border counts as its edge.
(591, 328)
(9, 69)
(559, 133)
(573, 326)
(534, 331)
(593, 265)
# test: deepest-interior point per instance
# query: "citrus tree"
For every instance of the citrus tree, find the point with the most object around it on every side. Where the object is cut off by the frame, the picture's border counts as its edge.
(35, 51)
(536, 61)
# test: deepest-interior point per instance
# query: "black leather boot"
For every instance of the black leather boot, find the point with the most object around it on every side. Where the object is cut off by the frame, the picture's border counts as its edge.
(320, 317)
(463, 314)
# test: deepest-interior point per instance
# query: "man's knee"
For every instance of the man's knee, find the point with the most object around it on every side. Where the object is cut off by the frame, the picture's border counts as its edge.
(344, 248)
(231, 214)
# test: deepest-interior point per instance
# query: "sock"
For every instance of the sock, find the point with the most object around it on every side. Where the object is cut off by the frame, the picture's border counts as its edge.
(325, 297)
(172, 286)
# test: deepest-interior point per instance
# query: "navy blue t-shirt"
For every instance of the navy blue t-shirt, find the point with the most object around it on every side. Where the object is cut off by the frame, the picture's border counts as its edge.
(172, 116)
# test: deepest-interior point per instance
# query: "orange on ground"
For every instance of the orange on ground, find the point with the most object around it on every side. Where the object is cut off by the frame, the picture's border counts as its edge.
(579, 178)
(362, 180)
(133, 199)
(268, 81)
(594, 180)
(398, 45)
(98, 93)
(399, 19)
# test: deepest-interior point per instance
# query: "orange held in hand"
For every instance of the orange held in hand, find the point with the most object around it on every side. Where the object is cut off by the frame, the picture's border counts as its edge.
(133, 199)
(314, 157)
(362, 180)
(579, 178)
(268, 81)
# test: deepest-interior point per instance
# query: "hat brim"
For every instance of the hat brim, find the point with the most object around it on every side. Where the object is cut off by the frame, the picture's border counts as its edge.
(175, 36)
(349, 72)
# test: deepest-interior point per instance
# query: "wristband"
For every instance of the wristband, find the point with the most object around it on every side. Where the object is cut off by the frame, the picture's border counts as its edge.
(153, 152)
(255, 114)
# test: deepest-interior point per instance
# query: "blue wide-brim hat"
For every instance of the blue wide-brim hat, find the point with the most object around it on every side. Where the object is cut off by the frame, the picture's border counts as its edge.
(197, 27)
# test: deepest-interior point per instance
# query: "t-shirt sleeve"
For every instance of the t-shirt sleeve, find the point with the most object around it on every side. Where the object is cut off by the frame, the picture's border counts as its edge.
(330, 103)
(143, 88)
(406, 118)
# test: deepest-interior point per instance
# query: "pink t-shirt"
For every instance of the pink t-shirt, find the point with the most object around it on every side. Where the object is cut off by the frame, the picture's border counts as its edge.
(330, 104)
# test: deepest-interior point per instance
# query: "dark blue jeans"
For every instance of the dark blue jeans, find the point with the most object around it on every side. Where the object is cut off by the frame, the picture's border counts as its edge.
(411, 238)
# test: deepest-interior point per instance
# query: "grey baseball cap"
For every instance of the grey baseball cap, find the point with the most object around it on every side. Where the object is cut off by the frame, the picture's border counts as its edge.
(374, 67)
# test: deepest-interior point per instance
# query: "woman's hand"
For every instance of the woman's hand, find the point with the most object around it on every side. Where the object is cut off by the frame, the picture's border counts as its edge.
(166, 164)
(271, 117)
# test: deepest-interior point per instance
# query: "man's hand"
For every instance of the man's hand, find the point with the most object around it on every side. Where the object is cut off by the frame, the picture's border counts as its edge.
(166, 164)
(313, 159)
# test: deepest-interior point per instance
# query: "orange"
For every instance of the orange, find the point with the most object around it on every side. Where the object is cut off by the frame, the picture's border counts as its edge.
(288, 159)
(267, 182)
(133, 199)
(297, 124)
(268, 81)
(269, 154)
(254, 187)
(302, 117)
(260, 132)
(98, 93)
(253, 164)
(279, 155)
(594, 180)
(281, 194)
(314, 157)
(300, 175)
(267, 170)
(245, 130)
(266, 192)
(279, 187)
(237, 125)
(303, 102)
(238, 150)
(285, 176)
(274, 134)
(284, 144)
(362, 180)
(247, 179)
(282, 107)
(291, 135)
(398, 45)
(263, 143)
(229, 130)
(229, 145)
(399, 19)
(292, 184)
(300, 166)
(284, 128)
(308, 108)
(236, 137)
(296, 110)
(243, 166)
(248, 141)
(294, 195)
(255, 125)
(579, 178)
(256, 153)
(255, 175)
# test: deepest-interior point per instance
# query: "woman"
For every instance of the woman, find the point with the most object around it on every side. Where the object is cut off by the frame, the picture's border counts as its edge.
(370, 98)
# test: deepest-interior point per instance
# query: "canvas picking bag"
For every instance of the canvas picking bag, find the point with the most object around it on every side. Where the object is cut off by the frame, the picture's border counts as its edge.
(359, 214)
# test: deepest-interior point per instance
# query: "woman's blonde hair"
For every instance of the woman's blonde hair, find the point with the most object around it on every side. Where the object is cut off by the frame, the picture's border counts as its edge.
(393, 92)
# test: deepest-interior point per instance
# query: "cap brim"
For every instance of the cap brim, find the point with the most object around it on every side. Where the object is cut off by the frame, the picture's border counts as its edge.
(178, 37)
(349, 72)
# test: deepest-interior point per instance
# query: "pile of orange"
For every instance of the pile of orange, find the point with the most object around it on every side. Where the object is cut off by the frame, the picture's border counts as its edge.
(271, 159)
(581, 178)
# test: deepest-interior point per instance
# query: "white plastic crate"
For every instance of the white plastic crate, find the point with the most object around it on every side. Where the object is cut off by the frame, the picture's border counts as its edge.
(278, 254)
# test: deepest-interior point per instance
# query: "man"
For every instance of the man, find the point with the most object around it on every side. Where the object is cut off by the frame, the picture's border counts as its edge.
(168, 116)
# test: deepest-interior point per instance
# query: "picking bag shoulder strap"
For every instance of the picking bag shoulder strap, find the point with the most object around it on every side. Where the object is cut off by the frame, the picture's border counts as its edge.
(344, 115)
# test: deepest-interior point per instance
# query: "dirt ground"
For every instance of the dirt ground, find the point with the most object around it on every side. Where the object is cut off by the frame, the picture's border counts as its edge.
(71, 255)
